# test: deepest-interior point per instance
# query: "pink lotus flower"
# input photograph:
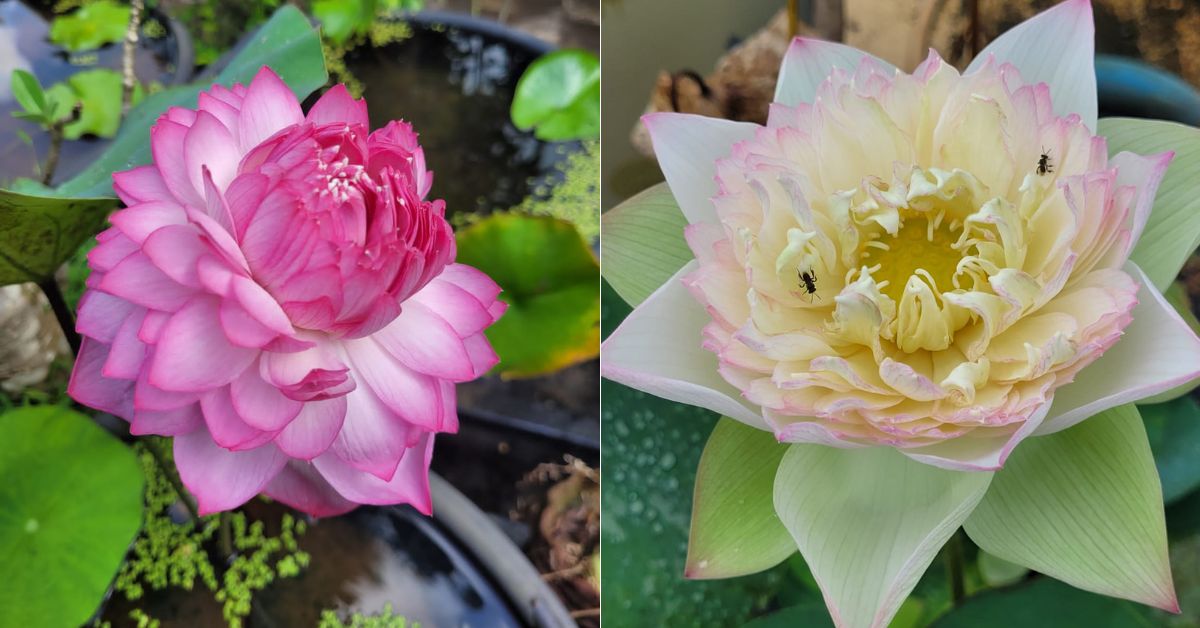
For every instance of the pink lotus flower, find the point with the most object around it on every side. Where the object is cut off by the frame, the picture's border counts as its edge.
(281, 298)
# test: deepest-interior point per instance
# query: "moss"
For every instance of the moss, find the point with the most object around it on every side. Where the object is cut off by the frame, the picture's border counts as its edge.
(381, 33)
(573, 194)
(385, 619)
(168, 554)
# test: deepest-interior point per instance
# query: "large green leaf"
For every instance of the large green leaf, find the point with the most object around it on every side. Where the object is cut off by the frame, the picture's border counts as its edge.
(1173, 230)
(1083, 505)
(869, 521)
(1047, 602)
(643, 243)
(70, 505)
(91, 26)
(287, 43)
(559, 96)
(550, 278)
(37, 234)
(734, 527)
(649, 450)
(1173, 428)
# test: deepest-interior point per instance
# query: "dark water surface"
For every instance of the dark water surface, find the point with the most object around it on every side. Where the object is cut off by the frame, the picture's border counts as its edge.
(456, 88)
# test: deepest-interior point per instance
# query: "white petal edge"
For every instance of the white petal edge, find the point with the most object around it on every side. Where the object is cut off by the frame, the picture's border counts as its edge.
(1157, 353)
(687, 147)
(657, 350)
(1055, 47)
(808, 62)
(869, 522)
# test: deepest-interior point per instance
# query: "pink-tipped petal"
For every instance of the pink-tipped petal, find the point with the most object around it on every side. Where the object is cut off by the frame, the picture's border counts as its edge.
(174, 422)
(269, 106)
(657, 350)
(1055, 47)
(409, 484)
(808, 62)
(337, 106)
(300, 486)
(209, 145)
(687, 147)
(1157, 353)
(89, 387)
(194, 354)
(222, 479)
(260, 404)
(314, 428)
(372, 438)
(140, 185)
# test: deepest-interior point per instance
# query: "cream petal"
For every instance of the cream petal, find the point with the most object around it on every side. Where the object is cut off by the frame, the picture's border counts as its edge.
(1158, 352)
(657, 350)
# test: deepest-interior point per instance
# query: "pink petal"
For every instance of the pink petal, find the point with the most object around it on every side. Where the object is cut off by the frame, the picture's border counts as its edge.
(426, 343)
(141, 184)
(414, 397)
(314, 428)
(222, 479)
(166, 144)
(208, 144)
(147, 396)
(268, 107)
(300, 486)
(226, 113)
(182, 420)
(409, 485)
(261, 305)
(175, 250)
(228, 428)
(483, 356)
(260, 403)
(194, 354)
(314, 373)
(90, 388)
(242, 329)
(465, 313)
(139, 221)
(101, 315)
(138, 280)
(372, 438)
(112, 249)
(127, 352)
(337, 106)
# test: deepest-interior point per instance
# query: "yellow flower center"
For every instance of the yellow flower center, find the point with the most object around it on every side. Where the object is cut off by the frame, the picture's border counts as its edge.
(923, 246)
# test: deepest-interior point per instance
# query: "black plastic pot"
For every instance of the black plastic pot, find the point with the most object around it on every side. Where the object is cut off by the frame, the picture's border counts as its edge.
(1129, 87)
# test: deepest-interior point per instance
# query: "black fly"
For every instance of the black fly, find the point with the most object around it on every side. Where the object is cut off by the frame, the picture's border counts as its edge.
(809, 280)
(1044, 166)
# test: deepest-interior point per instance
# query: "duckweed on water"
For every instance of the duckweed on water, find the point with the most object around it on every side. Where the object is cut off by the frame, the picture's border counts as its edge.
(170, 554)
(385, 619)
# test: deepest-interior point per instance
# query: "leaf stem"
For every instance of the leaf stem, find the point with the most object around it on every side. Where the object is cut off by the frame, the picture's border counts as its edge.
(131, 40)
(62, 312)
(955, 568)
(166, 470)
(226, 535)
